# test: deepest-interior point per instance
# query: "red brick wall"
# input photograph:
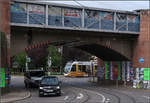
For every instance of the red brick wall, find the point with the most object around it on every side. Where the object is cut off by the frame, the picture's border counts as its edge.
(142, 44)
(5, 21)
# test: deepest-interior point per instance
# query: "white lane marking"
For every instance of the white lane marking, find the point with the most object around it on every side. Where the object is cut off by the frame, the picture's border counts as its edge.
(80, 96)
(108, 99)
(146, 97)
(66, 97)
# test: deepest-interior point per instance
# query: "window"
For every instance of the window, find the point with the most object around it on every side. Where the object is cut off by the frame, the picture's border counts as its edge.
(73, 69)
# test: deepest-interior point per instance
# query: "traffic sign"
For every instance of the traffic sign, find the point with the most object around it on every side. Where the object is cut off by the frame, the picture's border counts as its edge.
(141, 60)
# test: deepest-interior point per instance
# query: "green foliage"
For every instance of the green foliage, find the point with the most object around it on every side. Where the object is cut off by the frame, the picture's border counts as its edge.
(21, 59)
(55, 56)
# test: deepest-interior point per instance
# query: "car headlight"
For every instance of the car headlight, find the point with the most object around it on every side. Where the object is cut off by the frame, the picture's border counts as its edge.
(41, 87)
(58, 87)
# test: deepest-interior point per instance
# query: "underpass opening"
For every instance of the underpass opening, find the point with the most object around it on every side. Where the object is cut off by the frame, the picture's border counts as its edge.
(105, 53)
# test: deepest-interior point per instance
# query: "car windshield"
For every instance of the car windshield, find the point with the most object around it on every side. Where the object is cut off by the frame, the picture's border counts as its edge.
(50, 81)
(37, 73)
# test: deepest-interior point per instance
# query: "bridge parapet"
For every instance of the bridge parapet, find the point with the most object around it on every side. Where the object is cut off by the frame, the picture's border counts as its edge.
(39, 14)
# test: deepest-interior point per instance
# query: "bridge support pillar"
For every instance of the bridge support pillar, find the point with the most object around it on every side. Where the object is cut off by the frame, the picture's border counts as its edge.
(5, 45)
(141, 48)
(5, 23)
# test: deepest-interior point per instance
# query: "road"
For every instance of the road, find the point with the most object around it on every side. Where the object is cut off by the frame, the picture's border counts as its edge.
(80, 90)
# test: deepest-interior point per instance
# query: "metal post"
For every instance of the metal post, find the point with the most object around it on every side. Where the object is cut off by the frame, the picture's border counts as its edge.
(127, 23)
(83, 17)
(27, 13)
(115, 19)
(100, 21)
(46, 12)
(26, 63)
(63, 17)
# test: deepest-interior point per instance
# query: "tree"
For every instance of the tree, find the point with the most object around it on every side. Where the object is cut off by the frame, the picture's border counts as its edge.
(21, 60)
(55, 56)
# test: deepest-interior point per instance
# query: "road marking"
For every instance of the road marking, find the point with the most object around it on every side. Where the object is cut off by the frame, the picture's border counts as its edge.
(108, 99)
(66, 97)
(146, 97)
(103, 97)
(80, 96)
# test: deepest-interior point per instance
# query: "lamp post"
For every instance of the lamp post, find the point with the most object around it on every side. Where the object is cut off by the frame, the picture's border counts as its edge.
(60, 50)
(49, 62)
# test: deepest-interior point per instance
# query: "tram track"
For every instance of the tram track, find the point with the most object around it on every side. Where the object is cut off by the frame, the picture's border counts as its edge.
(111, 92)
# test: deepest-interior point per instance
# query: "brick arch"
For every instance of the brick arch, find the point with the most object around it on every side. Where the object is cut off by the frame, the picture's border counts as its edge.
(37, 45)
(102, 51)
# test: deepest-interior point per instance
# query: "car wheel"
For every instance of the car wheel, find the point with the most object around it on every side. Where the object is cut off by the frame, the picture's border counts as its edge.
(59, 94)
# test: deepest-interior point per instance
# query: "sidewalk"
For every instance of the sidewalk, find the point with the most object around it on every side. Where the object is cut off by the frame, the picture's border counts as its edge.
(15, 94)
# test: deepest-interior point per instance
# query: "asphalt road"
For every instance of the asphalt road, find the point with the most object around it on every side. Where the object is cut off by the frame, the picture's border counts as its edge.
(80, 90)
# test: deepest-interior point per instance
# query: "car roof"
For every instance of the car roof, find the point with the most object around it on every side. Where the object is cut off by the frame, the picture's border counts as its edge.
(50, 77)
(33, 70)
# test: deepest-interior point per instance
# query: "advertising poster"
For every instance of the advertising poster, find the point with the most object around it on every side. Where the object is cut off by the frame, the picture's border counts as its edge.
(100, 72)
(128, 71)
(106, 70)
(123, 71)
(115, 70)
(119, 70)
(2, 77)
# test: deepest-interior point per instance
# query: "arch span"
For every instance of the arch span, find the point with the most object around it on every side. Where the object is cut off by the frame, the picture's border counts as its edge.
(105, 53)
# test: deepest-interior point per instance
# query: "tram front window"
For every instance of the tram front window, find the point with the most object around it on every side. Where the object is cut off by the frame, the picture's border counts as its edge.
(67, 68)
(73, 69)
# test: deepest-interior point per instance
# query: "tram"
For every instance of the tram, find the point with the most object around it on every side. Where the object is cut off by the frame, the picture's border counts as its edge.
(80, 69)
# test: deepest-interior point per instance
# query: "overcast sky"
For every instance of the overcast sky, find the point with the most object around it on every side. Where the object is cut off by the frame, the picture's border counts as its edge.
(128, 5)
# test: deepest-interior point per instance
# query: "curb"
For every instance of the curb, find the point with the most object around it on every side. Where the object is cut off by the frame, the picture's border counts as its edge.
(13, 100)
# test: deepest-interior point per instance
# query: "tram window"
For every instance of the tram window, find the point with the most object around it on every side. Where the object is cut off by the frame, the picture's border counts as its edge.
(83, 68)
(73, 68)
(80, 68)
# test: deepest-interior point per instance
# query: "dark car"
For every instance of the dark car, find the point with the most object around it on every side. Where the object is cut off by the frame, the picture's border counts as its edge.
(50, 85)
(33, 77)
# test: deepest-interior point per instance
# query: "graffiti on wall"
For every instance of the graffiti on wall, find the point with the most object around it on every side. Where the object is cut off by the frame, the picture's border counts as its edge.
(133, 19)
(106, 16)
(18, 13)
(18, 7)
(36, 9)
(36, 14)
(92, 14)
(57, 11)
(72, 12)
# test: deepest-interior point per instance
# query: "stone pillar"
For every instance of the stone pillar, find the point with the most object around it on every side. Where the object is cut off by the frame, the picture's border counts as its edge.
(5, 22)
(141, 46)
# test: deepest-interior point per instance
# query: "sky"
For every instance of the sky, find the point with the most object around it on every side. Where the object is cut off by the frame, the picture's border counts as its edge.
(127, 5)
